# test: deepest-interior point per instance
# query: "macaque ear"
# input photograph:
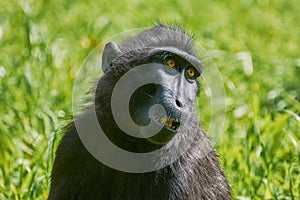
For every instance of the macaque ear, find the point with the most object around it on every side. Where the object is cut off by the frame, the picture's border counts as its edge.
(111, 51)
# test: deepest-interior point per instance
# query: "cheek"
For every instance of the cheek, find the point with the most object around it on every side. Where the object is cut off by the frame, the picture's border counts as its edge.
(191, 92)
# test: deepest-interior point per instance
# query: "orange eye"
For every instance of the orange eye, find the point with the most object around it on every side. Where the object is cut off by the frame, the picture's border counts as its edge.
(191, 71)
(171, 63)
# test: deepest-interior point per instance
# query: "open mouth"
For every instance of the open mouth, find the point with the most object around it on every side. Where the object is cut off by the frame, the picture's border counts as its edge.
(170, 123)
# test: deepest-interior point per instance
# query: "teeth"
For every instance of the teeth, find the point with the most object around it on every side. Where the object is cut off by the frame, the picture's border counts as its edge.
(162, 120)
(167, 122)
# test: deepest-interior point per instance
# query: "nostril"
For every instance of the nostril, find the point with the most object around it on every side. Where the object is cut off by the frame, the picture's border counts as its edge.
(178, 103)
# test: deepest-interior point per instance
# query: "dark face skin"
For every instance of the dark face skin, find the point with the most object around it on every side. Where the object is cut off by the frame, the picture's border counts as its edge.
(175, 90)
(177, 94)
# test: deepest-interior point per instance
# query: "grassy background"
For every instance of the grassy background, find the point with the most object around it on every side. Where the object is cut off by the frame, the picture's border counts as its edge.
(43, 43)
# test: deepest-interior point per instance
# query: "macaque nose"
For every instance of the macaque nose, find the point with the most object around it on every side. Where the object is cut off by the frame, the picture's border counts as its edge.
(178, 103)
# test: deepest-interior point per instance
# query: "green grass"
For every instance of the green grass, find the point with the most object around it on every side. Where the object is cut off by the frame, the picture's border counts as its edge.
(43, 43)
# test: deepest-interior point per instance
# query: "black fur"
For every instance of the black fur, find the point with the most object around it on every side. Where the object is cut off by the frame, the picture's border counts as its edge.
(161, 36)
(78, 175)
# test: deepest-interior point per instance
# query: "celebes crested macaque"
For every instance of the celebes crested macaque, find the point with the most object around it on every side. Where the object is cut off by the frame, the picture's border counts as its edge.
(195, 175)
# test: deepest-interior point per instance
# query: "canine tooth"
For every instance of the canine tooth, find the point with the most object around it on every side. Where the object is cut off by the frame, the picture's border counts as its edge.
(168, 123)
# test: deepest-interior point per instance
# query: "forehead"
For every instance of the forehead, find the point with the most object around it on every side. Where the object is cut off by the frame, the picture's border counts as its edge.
(165, 54)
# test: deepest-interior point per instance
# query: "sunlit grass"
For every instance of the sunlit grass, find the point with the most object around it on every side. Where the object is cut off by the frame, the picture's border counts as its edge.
(255, 45)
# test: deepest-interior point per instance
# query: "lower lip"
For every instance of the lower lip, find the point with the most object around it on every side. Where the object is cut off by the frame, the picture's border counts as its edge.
(170, 129)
